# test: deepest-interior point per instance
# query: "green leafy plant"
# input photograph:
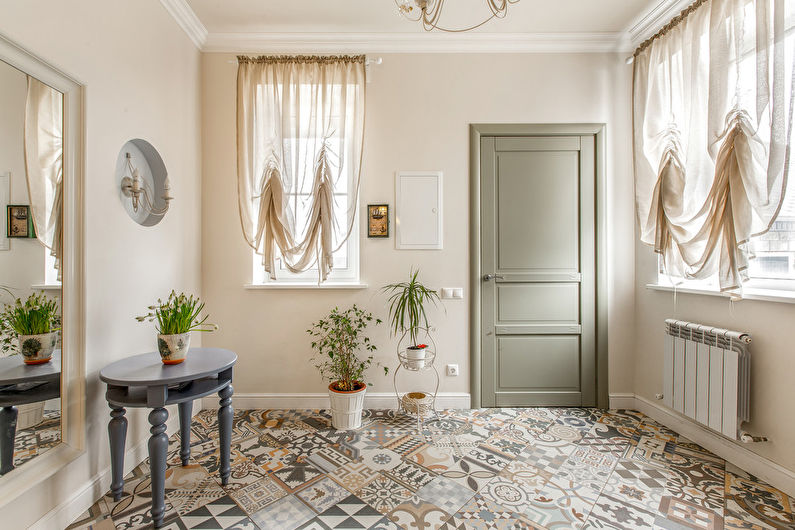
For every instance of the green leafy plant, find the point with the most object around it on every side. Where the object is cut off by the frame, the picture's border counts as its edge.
(407, 303)
(178, 314)
(336, 340)
(36, 315)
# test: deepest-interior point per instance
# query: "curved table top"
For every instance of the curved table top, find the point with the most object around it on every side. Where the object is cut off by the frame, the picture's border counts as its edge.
(14, 371)
(147, 369)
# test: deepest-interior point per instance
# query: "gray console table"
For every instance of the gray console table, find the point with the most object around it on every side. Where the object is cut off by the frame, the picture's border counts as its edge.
(144, 381)
(21, 384)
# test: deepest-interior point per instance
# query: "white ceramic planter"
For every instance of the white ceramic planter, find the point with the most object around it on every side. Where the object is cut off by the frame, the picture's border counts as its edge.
(416, 357)
(346, 408)
(29, 414)
(173, 348)
(37, 349)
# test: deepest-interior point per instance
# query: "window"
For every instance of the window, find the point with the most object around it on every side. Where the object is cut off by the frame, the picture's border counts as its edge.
(678, 70)
(300, 152)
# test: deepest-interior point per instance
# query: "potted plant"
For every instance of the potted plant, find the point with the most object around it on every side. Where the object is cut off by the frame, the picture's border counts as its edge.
(336, 341)
(30, 328)
(407, 315)
(176, 318)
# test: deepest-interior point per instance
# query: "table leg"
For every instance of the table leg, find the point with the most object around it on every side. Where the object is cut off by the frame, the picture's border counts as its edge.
(158, 447)
(8, 431)
(225, 413)
(117, 434)
(185, 412)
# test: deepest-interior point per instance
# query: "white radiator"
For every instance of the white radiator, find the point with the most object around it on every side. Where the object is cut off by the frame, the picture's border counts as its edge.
(708, 375)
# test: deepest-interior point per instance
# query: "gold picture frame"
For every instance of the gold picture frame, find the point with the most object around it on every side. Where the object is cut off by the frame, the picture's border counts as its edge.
(19, 223)
(377, 220)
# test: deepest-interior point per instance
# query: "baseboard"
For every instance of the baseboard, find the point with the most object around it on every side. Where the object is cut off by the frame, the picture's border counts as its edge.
(735, 452)
(622, 401)
(67, 511)
(373, 400)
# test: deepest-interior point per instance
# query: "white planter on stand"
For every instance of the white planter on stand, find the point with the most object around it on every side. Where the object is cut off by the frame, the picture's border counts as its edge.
(346, 408)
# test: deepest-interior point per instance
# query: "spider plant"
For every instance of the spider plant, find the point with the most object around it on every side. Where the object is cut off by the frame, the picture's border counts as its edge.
(178, 314)
(407, 303)
(35, 316)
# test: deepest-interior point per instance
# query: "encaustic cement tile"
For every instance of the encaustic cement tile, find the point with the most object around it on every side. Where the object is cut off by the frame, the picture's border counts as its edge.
(416, 513)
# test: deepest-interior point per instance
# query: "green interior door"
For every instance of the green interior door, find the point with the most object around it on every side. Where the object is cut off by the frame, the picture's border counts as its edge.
(538, 294)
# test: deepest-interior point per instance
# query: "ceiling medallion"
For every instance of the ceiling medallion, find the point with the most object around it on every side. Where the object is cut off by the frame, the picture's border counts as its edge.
(429, 12)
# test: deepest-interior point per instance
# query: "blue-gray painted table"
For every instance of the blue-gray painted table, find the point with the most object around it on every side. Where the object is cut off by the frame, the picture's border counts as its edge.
(144, 381)
(21, 384)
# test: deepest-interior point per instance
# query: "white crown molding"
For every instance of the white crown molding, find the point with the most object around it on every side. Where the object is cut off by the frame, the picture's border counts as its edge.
(660, 13)
(187, 20)
(413, 43)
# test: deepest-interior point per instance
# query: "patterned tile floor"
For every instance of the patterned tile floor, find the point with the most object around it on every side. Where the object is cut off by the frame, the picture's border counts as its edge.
(550, 468)
(34, 441)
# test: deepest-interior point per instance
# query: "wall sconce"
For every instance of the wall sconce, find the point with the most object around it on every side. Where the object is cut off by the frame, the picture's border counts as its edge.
(143, 183)
(134, 187)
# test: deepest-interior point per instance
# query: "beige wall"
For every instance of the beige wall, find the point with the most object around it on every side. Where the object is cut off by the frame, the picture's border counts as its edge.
(142, 81)
(419, 107)
(773, 335)
(23, 264)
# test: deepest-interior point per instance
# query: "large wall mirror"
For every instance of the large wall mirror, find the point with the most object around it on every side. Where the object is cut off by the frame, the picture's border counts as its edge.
(41, 292)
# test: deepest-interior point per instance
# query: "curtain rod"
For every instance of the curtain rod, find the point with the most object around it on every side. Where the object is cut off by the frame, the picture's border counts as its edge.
(666, 28)
(367, 62)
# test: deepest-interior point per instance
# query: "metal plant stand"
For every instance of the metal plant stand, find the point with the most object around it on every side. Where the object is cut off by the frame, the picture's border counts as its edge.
(144, 381)
(417, 404)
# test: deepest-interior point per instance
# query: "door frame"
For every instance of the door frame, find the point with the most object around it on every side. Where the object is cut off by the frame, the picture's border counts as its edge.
(478, 130)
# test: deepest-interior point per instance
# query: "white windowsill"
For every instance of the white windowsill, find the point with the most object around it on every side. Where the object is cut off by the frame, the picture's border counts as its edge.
(765, 295)
(47, 287)
(305, 285)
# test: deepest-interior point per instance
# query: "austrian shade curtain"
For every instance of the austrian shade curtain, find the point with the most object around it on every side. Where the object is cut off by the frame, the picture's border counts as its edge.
(300, 129)
(44, 164)
(712, 110)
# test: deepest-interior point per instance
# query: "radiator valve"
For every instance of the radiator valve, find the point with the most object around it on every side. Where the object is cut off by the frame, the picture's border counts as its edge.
(749, 438)
(658, 396)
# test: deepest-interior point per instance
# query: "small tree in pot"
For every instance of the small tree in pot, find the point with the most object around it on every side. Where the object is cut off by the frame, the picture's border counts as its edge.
(407, 315)
(336, 341)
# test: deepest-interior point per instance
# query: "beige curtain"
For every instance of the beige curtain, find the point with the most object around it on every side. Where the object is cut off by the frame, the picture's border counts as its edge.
(712, 111)
(44, 164)
(300, 129)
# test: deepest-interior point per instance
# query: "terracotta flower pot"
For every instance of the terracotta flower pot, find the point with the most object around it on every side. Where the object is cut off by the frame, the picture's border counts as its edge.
(346, 407)
(37, 349)
(173, 348)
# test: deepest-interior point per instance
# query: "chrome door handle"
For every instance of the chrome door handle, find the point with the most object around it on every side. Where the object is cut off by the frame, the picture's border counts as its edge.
(488, 277)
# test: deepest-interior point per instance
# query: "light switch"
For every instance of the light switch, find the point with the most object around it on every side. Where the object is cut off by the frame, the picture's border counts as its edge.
(452, 293)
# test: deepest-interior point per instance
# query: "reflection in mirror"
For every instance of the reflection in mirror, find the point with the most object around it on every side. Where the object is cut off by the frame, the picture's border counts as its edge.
(31, 182)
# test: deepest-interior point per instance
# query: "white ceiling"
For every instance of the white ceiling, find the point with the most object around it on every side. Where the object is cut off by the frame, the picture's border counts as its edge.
(377, 16)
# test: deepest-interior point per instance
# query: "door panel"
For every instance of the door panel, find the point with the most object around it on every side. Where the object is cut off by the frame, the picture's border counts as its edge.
(541, 303)
(545, 363)
(538, 258)
(538, 199)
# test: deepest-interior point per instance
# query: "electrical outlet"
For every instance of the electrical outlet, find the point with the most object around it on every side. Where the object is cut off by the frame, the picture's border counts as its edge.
(452, 370)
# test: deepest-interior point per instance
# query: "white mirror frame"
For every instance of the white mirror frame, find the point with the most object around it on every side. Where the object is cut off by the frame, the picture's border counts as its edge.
(17, 482)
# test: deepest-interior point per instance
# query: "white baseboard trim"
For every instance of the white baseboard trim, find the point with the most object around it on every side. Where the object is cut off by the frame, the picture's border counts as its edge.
(67, 511)
(735, 452)
(622, 401)
(373, 400)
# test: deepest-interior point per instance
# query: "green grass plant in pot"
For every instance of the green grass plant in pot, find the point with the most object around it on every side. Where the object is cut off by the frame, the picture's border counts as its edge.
(408, 318)
(30, 328)
(176, 318)
(337, 340)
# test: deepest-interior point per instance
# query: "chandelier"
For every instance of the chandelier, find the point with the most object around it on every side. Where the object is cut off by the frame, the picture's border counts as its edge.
(429, 12)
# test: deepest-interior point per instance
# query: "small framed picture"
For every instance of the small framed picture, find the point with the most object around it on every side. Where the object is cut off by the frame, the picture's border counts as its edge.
(377, 220)
(19, 223)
